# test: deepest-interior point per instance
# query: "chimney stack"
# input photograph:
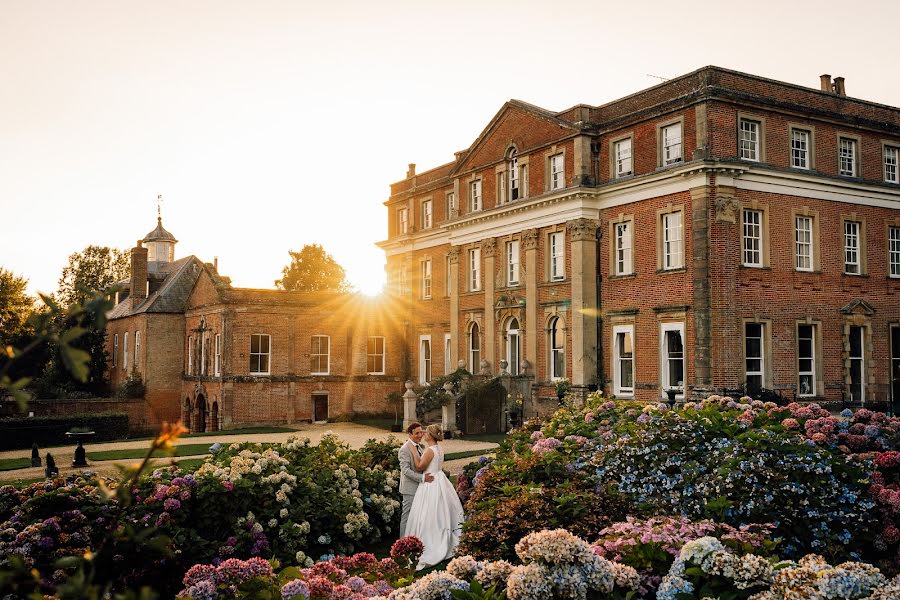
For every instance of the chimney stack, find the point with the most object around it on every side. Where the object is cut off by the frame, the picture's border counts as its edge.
(411, 172)
(216, 264)
(825, 82)
(839, 86)
(138, 274)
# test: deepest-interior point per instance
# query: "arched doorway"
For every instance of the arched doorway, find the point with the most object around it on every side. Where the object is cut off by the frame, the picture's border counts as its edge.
(513, 346)
(186, 412)
(214, 417)
(201, 414)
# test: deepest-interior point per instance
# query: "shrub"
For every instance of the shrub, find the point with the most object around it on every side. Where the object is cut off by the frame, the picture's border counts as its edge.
(132, 387)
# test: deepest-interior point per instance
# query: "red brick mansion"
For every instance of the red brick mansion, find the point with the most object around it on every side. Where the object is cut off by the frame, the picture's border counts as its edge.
(717, 230)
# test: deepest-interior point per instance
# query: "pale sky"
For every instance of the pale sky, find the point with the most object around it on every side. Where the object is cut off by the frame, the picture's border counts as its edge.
(268, 125)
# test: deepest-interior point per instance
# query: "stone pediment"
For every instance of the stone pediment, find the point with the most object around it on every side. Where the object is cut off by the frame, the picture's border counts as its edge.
(510, 301)
(858, 306)
(516, 124)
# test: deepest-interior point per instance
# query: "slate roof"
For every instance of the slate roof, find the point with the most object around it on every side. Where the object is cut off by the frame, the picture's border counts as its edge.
(172, 295)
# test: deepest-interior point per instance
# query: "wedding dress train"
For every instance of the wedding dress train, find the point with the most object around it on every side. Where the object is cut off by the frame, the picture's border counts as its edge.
(436, 515)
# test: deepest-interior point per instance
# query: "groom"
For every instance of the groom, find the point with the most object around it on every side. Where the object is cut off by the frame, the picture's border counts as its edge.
(409, 477)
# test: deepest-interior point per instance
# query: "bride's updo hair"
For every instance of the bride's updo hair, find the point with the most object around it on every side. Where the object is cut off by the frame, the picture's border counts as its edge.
(435, 431)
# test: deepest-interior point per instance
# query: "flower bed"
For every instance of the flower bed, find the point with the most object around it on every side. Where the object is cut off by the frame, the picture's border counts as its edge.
(826, 484)
(290, 502)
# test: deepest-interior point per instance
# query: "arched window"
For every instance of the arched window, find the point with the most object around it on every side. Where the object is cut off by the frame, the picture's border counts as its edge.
(513, 346)
(513, 173)
(474, 349)
(557, 349)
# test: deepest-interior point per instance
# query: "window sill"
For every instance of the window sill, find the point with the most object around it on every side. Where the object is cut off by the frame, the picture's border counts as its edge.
(631, 275)
(757, 267)
(855, 275)
(624, 395)
(675, 270)
(808, 271)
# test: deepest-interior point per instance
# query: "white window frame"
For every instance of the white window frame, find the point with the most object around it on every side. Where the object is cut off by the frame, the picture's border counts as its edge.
(752, 242)
(514, 181)
(673, 240)
(617, 357)
(425, 356)
(316, 354)
(811, 371)
(861, 358)
(448, 345)
(891, 162)
(665, 359)
(672, 144)
(260, 354)
(116, 350)
(217, 356)
(474, 349)
(203, 349)
(373, 356)
(426, 279)
(190, 354)
(894, 251)
(803, 243)
(852, 261)
(402, 221)
(474, 269)
(402, 283)
(137, 348)
(624, 259)
(451, 204)
(749, 136)
(556, 343)
(847, 157)
(513, 346)
(557, 242)
(800, 151)
(427, 214)
(512, 262)
(761, 372)
(624, 163)
(475, 196)
(125, 352)
(557, 171)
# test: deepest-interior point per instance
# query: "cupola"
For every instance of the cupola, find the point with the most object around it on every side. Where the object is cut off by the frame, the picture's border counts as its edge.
(160, 246)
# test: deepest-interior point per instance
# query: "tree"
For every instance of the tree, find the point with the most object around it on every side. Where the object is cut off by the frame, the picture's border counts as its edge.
(15, 307)
(94, 269)
(313, 270)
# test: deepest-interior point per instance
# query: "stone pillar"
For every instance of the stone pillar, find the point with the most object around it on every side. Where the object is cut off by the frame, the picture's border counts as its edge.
(701, 300)
(582, 234)
(448, 411)
(532, 325)
(454, 305)
(488, 247)
(409, 405)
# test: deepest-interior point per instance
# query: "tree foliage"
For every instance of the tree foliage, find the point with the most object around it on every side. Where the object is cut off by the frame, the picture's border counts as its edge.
(15, 307)
(94, 269)
(313, 270)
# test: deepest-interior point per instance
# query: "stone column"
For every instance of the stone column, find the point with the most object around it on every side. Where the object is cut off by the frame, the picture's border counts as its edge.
(488, 247)
(409, 405)
(532, 325)
(454, 305)
(448, 411)
(582, 234)
(701, 299)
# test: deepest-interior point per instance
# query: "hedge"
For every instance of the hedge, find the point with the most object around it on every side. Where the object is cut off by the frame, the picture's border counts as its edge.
(22, 432)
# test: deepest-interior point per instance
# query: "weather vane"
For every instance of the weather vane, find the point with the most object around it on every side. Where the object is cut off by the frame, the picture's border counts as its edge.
(158, 207)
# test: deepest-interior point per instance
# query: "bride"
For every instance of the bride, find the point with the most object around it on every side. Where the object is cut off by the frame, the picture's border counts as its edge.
(436, 515)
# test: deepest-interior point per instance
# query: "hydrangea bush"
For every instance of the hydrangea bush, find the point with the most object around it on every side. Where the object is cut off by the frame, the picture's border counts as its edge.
(292, 502)
(809, 474)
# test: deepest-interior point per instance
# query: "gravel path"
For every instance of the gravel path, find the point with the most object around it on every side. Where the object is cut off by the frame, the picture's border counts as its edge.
(353, 434)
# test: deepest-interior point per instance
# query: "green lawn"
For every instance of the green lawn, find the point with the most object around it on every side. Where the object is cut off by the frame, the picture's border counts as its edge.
(468, 454)
(377, 422)
(10, 464)
(20, 483)
(131, 453)
(496, 438)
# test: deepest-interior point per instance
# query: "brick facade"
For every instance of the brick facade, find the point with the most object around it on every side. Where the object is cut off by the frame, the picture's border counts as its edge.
(697, 293)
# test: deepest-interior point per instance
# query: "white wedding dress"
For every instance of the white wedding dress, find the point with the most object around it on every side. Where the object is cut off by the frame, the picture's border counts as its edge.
(436, 515)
